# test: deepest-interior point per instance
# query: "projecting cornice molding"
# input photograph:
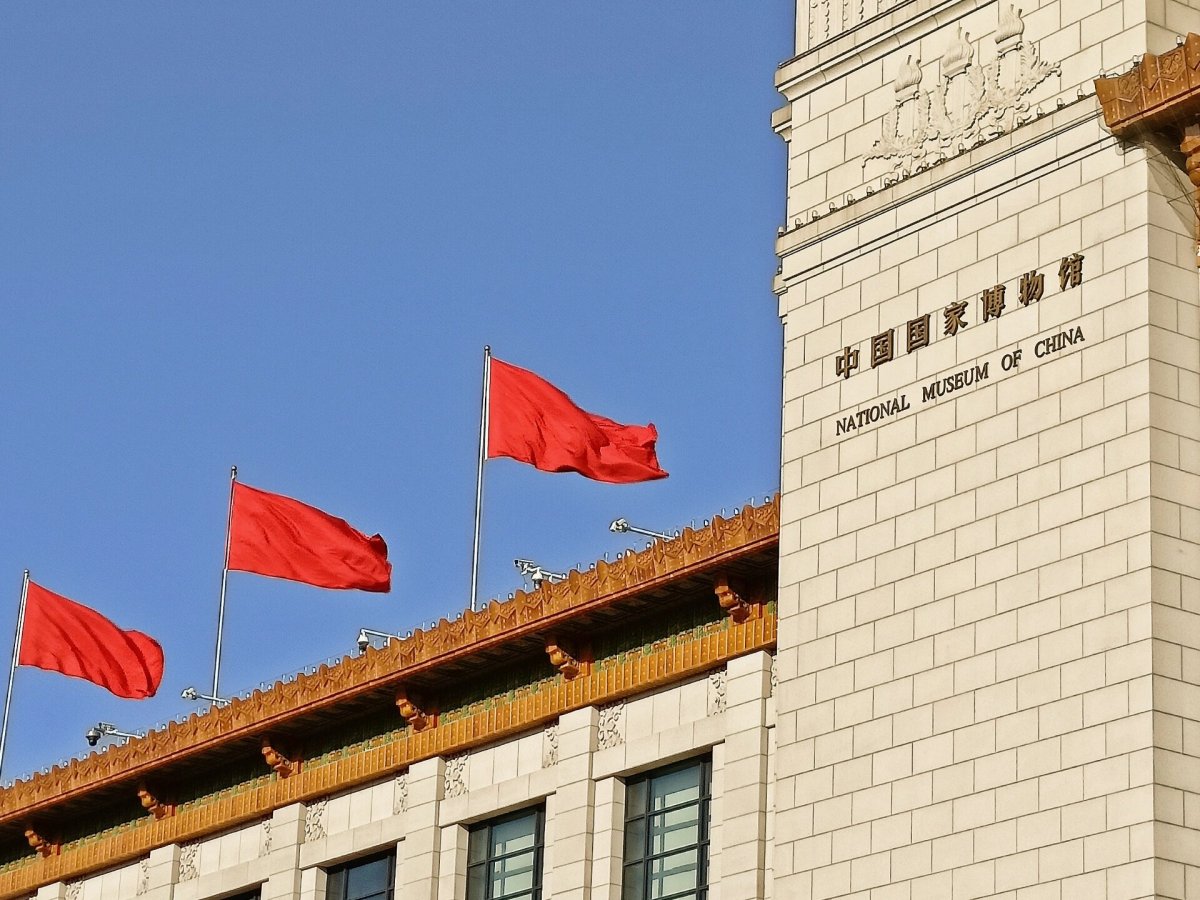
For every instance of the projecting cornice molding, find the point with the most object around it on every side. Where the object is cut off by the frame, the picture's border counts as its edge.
(1161, 94)
(544, 609)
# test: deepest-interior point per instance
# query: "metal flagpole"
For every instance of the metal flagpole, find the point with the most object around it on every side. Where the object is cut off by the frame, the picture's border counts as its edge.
(224, 581)
(12, 670)
(483, 431)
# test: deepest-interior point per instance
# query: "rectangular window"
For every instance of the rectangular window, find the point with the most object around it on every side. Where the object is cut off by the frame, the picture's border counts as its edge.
(504, 857)
(666, 833)
(369, 878)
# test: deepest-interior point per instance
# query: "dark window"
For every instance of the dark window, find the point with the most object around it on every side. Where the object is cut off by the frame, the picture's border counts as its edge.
(504, 858)
(370, 878)
(666, 833)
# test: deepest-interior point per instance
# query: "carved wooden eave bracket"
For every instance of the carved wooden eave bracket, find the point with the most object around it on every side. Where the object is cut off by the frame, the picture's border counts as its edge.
(736, 599)
(153, 805)
(45, 848)
(284, 765)
(412, 711)
(564, 660)
(1160, 95)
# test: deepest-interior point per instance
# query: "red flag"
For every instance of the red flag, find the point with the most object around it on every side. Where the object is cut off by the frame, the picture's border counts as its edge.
(61, 635)
(270, 534)
(532, 421)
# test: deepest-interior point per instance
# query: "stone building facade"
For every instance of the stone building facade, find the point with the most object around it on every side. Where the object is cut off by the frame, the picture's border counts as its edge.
(958, 657)
(989, 612)
(623, 717)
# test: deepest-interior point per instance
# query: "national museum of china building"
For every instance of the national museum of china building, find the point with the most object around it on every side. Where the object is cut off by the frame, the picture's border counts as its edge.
(958, 657)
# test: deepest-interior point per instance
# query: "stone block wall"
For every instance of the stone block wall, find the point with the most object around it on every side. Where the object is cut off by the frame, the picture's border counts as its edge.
(988, 615)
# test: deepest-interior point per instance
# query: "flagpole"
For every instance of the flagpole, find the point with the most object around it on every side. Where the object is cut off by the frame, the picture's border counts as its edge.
(12, 669)
(224, 581)
(483, 431)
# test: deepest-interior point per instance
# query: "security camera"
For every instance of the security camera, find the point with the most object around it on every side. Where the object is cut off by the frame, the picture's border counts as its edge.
(93, 736)
(190, 693)
(535, 573)
(363, 641)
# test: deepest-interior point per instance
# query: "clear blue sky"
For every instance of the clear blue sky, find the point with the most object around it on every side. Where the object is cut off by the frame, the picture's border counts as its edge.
(278, 235)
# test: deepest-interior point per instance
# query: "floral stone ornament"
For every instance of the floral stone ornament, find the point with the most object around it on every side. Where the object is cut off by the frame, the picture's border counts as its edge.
(972, 102)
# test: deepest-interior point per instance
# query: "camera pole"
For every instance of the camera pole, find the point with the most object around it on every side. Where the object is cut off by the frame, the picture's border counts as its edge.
(12, 669)
(483, 437)
(224, 581)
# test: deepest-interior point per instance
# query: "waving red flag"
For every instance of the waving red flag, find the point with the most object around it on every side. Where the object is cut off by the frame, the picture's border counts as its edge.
(61, 635)
(270, 534)
(532, 421)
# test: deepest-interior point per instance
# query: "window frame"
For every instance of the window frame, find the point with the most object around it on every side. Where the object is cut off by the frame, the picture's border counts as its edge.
(484, 828)
(704, 831)
(341, 870)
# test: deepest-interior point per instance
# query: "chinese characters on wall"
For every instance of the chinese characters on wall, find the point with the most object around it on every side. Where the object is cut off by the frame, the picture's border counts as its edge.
(917, 333)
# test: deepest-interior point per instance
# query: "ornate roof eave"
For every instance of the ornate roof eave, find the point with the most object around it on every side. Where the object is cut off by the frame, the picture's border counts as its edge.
(1160, 93)
(752, 529)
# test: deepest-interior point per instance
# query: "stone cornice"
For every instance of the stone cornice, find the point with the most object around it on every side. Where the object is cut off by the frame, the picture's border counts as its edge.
(549, 606)
(1160, 93)
(899, 26)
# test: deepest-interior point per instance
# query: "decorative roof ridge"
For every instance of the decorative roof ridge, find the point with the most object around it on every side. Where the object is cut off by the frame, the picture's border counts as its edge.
(548, 604)
(1159, 91)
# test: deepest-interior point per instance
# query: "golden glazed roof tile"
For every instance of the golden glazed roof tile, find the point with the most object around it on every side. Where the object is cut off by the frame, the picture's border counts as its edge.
(551, 605)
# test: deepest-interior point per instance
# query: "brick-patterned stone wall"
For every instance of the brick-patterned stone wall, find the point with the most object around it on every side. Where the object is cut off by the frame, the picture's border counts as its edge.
(988, 679)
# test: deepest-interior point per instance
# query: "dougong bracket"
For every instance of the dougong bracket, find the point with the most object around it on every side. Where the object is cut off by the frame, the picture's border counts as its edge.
(153, 805)
(733, 597)
(418, 719)
(562, 659)
(44, 848)
(277, 760)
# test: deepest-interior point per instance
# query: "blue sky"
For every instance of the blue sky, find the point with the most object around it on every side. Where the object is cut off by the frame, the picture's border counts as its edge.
(278, 235)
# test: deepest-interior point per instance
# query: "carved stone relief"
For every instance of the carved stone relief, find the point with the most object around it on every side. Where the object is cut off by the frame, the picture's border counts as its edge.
(972, 102)
(74, 889)
(456, 775)
(612, 725)
(264, 838)
(716, 691)
(143, 883)
(400, 803)
(774, 675)
(550, 746)
(314, 820)
(189, 860)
